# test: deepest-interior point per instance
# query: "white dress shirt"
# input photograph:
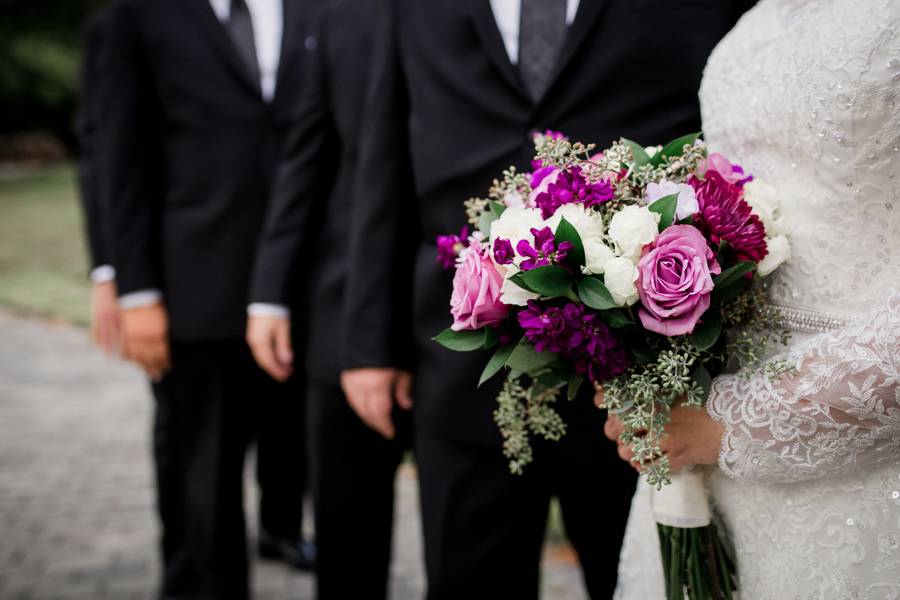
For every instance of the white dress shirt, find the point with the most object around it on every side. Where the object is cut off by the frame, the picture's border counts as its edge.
(508, 13)
(268, 26)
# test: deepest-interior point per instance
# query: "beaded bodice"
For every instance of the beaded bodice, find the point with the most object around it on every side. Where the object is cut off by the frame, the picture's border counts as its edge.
(806, 94)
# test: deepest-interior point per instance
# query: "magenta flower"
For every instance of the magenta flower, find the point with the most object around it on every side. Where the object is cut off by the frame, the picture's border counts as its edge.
(725, 216)
(675, 281)
(570, 187)
(544, 251)
(733, 174)
(503, 252)
(576, 335)
(449, 247)
(475, 302)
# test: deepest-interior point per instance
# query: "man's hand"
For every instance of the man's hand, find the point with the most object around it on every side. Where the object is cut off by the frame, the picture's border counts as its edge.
(105, 329)
(372, 393)
(269, 339)
(145, 338)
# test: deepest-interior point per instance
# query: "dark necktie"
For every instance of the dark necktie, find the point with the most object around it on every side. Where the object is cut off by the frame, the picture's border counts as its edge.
(542, 32)
(240, 27)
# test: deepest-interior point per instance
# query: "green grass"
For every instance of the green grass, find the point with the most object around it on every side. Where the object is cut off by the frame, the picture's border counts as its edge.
(43, 264)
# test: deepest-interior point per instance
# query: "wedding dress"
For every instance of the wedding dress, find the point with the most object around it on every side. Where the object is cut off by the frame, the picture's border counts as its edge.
(805, 94)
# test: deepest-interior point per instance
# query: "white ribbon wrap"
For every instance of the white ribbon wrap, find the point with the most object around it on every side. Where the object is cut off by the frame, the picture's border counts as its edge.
(683, 503)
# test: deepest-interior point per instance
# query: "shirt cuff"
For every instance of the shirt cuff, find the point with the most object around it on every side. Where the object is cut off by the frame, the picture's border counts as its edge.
(139, 299)
(263, 309)
(103, 274)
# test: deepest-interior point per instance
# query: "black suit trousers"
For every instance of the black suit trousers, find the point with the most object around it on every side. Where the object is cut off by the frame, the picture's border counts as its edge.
(353, 485)
(208, 410)
(484, 527)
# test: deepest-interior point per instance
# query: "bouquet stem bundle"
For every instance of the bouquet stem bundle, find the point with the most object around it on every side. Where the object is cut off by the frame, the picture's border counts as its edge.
(696, 564)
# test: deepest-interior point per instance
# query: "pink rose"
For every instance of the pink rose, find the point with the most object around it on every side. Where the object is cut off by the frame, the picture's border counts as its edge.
(733, 174)
(675, 280)
(475, 302)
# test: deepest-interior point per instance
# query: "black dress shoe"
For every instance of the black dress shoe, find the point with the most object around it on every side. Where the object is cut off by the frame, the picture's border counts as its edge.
(298, 553)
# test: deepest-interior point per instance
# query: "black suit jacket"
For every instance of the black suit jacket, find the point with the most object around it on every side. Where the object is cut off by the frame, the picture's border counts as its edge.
(191, 155)
(446, 113)
(94, 93)
(307, 225)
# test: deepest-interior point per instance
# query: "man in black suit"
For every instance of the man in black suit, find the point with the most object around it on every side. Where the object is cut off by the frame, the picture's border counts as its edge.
(204, 91)
(458, 88)
(306, 229)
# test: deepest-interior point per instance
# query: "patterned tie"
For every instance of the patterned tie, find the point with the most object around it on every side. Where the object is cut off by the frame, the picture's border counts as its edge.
(240, 27)
(542, 32)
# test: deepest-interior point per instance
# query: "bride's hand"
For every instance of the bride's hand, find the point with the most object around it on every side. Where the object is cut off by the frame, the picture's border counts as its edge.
(692, 437)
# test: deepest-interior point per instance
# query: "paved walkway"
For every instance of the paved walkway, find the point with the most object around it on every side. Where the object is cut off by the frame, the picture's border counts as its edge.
(76, 496)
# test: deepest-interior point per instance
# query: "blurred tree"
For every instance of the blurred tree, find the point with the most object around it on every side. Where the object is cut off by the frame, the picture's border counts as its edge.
(40, 51)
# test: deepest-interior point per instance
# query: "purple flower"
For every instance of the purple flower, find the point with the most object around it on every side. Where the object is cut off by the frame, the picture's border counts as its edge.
(675, 281)
(576, 335)
(544, 251)
(546, 328)
(503, 252)
(449, 247)
(725, 216)
(571, 187)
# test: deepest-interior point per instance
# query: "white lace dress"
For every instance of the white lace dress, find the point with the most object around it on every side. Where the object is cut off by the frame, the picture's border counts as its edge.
(806, 95)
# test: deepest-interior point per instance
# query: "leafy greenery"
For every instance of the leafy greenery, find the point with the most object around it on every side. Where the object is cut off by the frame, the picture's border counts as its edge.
(594, 294)
(550, 281)
(665, 207)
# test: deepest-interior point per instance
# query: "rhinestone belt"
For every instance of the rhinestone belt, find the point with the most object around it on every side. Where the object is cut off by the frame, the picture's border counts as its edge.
(803, 320)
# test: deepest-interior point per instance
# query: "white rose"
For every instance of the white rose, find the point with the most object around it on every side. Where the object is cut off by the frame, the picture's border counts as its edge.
(766, 204)
(779, 252)
(589, 226)
(512, 294)
(687, 198)
(515, 224)
(631, 229)
(620, 278)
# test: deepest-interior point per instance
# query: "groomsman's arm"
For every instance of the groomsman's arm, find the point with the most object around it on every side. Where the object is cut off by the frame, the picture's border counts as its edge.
(290, 218)
(130, 150)
(376, 333)
(94, 93)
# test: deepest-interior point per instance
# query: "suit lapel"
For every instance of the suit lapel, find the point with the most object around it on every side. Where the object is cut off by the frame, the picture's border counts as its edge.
(585, 19)
(202, 14)
(486, 25)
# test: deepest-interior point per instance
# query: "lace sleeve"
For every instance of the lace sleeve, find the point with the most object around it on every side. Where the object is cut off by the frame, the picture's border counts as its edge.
(838, 411)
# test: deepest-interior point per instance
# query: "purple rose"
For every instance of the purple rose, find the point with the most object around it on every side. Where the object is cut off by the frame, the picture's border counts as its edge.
(675, 281)
(475, 302)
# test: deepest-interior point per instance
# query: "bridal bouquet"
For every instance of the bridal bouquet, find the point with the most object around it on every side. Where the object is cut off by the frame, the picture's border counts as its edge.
(622, 268)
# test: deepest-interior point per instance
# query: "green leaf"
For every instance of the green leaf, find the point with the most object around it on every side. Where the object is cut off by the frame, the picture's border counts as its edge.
(665, 207)
(676, 146)
(702, 377)
(461, 341)
(724, 295)
(526, 359)
(493, 212)
(491, 337)
(641, 157)
(594, 294)
(575, 382)
(550, 281)
(549, 379)
(566, 232)
(617, 318)
(733, 274)
(497, 361)
(688, 220)
(707, 332)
